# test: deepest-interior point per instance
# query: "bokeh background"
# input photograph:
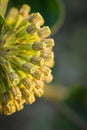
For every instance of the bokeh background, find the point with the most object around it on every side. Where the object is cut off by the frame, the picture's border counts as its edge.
(64, 105)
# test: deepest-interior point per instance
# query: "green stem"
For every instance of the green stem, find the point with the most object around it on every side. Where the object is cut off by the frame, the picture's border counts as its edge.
(56, 93)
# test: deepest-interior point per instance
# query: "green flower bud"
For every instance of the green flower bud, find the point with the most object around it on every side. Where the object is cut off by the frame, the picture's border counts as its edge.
(14, 78)
(2, 86)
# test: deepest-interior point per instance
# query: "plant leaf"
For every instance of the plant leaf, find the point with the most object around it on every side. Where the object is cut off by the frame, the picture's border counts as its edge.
(3, 7)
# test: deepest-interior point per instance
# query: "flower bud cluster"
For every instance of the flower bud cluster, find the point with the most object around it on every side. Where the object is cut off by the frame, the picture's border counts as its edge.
(26, 59)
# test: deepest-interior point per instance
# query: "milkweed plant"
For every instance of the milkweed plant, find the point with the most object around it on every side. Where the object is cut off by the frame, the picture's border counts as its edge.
(26, 59)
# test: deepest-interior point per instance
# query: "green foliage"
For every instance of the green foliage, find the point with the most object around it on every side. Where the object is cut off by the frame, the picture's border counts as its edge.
(72, 113)
(1, 21)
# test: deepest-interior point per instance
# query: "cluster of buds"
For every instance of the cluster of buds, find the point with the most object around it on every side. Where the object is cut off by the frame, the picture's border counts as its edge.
(26, 59)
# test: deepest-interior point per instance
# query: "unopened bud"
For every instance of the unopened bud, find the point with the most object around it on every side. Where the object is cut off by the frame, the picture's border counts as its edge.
(38, 83)
(49, 42)
(49, 63)
(32, 28)
(45, 70)
(8, 109)
(36, 18)
(48, 78)
(24, 11)
(15, 91)
(38, 46)
(14, 78)
(37, 60)
(44, 32)
(38, 75)
(47, 55)
(28, 83)
(13, 12)
(38, 92)
(29, 68)
(19, 106)
(28, 95)
(8, 106)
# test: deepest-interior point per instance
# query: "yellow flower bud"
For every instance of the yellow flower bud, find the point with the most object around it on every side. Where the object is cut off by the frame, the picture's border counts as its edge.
(44, 32)
(36, 18)
(26, 59)
(24, 11)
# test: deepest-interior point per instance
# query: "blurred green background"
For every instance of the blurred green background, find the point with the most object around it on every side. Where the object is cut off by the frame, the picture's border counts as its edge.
(64, 106)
